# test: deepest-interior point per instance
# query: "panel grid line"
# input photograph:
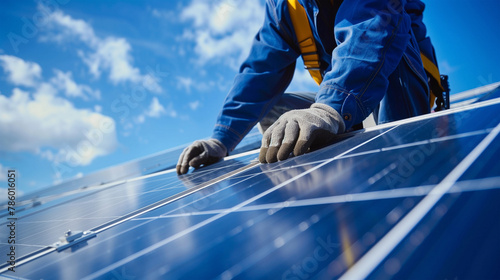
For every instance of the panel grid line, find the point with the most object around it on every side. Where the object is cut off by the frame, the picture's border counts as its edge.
(430, 194)
(477, 185)
(373, 258)
(122, 219)
(214, 218)
(436, 114)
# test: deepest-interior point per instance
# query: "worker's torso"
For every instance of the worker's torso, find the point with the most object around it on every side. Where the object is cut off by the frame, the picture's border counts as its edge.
(322, 16)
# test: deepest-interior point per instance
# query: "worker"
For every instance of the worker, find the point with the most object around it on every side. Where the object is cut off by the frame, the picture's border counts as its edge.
(367, 59)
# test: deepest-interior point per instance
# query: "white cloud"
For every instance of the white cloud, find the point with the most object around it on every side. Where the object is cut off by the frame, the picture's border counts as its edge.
(185, 83)
(108, 54)
(194, 105)
(224, 29)
(20, 72)
(43, 122)
(156, 110)
(113, 54)
(46, 88)
(64, 82)
(140, 119)
(28, 74)
(68, 27)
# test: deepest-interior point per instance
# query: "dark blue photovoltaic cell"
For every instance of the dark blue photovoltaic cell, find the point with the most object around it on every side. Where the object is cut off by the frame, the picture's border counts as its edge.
(166, 159)
(460, 124)
(486, 165)
(309, 216)
(45, 226)
(251, 238)
(462, 241)
(345, 176)
(77, 187)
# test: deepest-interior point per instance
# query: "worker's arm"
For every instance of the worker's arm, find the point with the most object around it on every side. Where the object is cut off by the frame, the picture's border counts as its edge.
(262, 78)
(371, 37)
(415, 9)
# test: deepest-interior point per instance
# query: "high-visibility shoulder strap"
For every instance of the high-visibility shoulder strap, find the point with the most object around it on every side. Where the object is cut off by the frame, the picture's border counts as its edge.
(433, 73)
(305, 38)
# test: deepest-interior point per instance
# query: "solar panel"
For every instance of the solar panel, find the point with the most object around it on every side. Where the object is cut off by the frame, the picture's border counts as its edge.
(411, 199)
(76, 187)
(112, 176)
(474, 95)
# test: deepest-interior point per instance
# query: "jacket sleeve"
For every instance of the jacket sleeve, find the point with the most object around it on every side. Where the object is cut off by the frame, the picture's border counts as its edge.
(262, 78)
(371, 37)
(415, 9)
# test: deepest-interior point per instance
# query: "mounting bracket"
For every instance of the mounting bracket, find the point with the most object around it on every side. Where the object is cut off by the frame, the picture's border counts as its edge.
(71, 238)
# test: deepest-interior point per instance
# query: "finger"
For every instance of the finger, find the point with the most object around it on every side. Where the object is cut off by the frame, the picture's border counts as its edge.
(266, 140)
(189, 153)
(199, 160)
(289, 140)
(304, 141)
(277, 135)
(262, 154)
(180, 161)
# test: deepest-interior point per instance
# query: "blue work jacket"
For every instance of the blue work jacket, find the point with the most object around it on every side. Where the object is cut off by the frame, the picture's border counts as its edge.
(369, 40)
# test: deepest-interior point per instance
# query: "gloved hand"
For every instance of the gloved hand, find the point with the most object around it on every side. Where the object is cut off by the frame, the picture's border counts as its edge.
(200, 152)
(298, 130)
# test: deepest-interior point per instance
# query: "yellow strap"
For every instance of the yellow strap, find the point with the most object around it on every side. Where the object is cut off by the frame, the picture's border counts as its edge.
(432, 69)
(305, 38)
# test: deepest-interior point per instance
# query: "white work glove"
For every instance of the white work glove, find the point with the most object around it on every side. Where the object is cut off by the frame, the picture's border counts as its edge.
(298, 130)
(200, 152)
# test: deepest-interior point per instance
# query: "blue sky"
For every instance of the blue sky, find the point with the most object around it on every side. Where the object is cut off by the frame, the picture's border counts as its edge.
(90, 84)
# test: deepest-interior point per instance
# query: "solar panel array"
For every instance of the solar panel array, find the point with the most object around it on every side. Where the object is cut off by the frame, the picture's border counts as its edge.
(414, 199)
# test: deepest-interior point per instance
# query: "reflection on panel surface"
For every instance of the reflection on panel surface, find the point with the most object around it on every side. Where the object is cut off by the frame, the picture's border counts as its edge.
(79, 187)
(45, 226)
(310, 216)
(460, 238)
(248, 243)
